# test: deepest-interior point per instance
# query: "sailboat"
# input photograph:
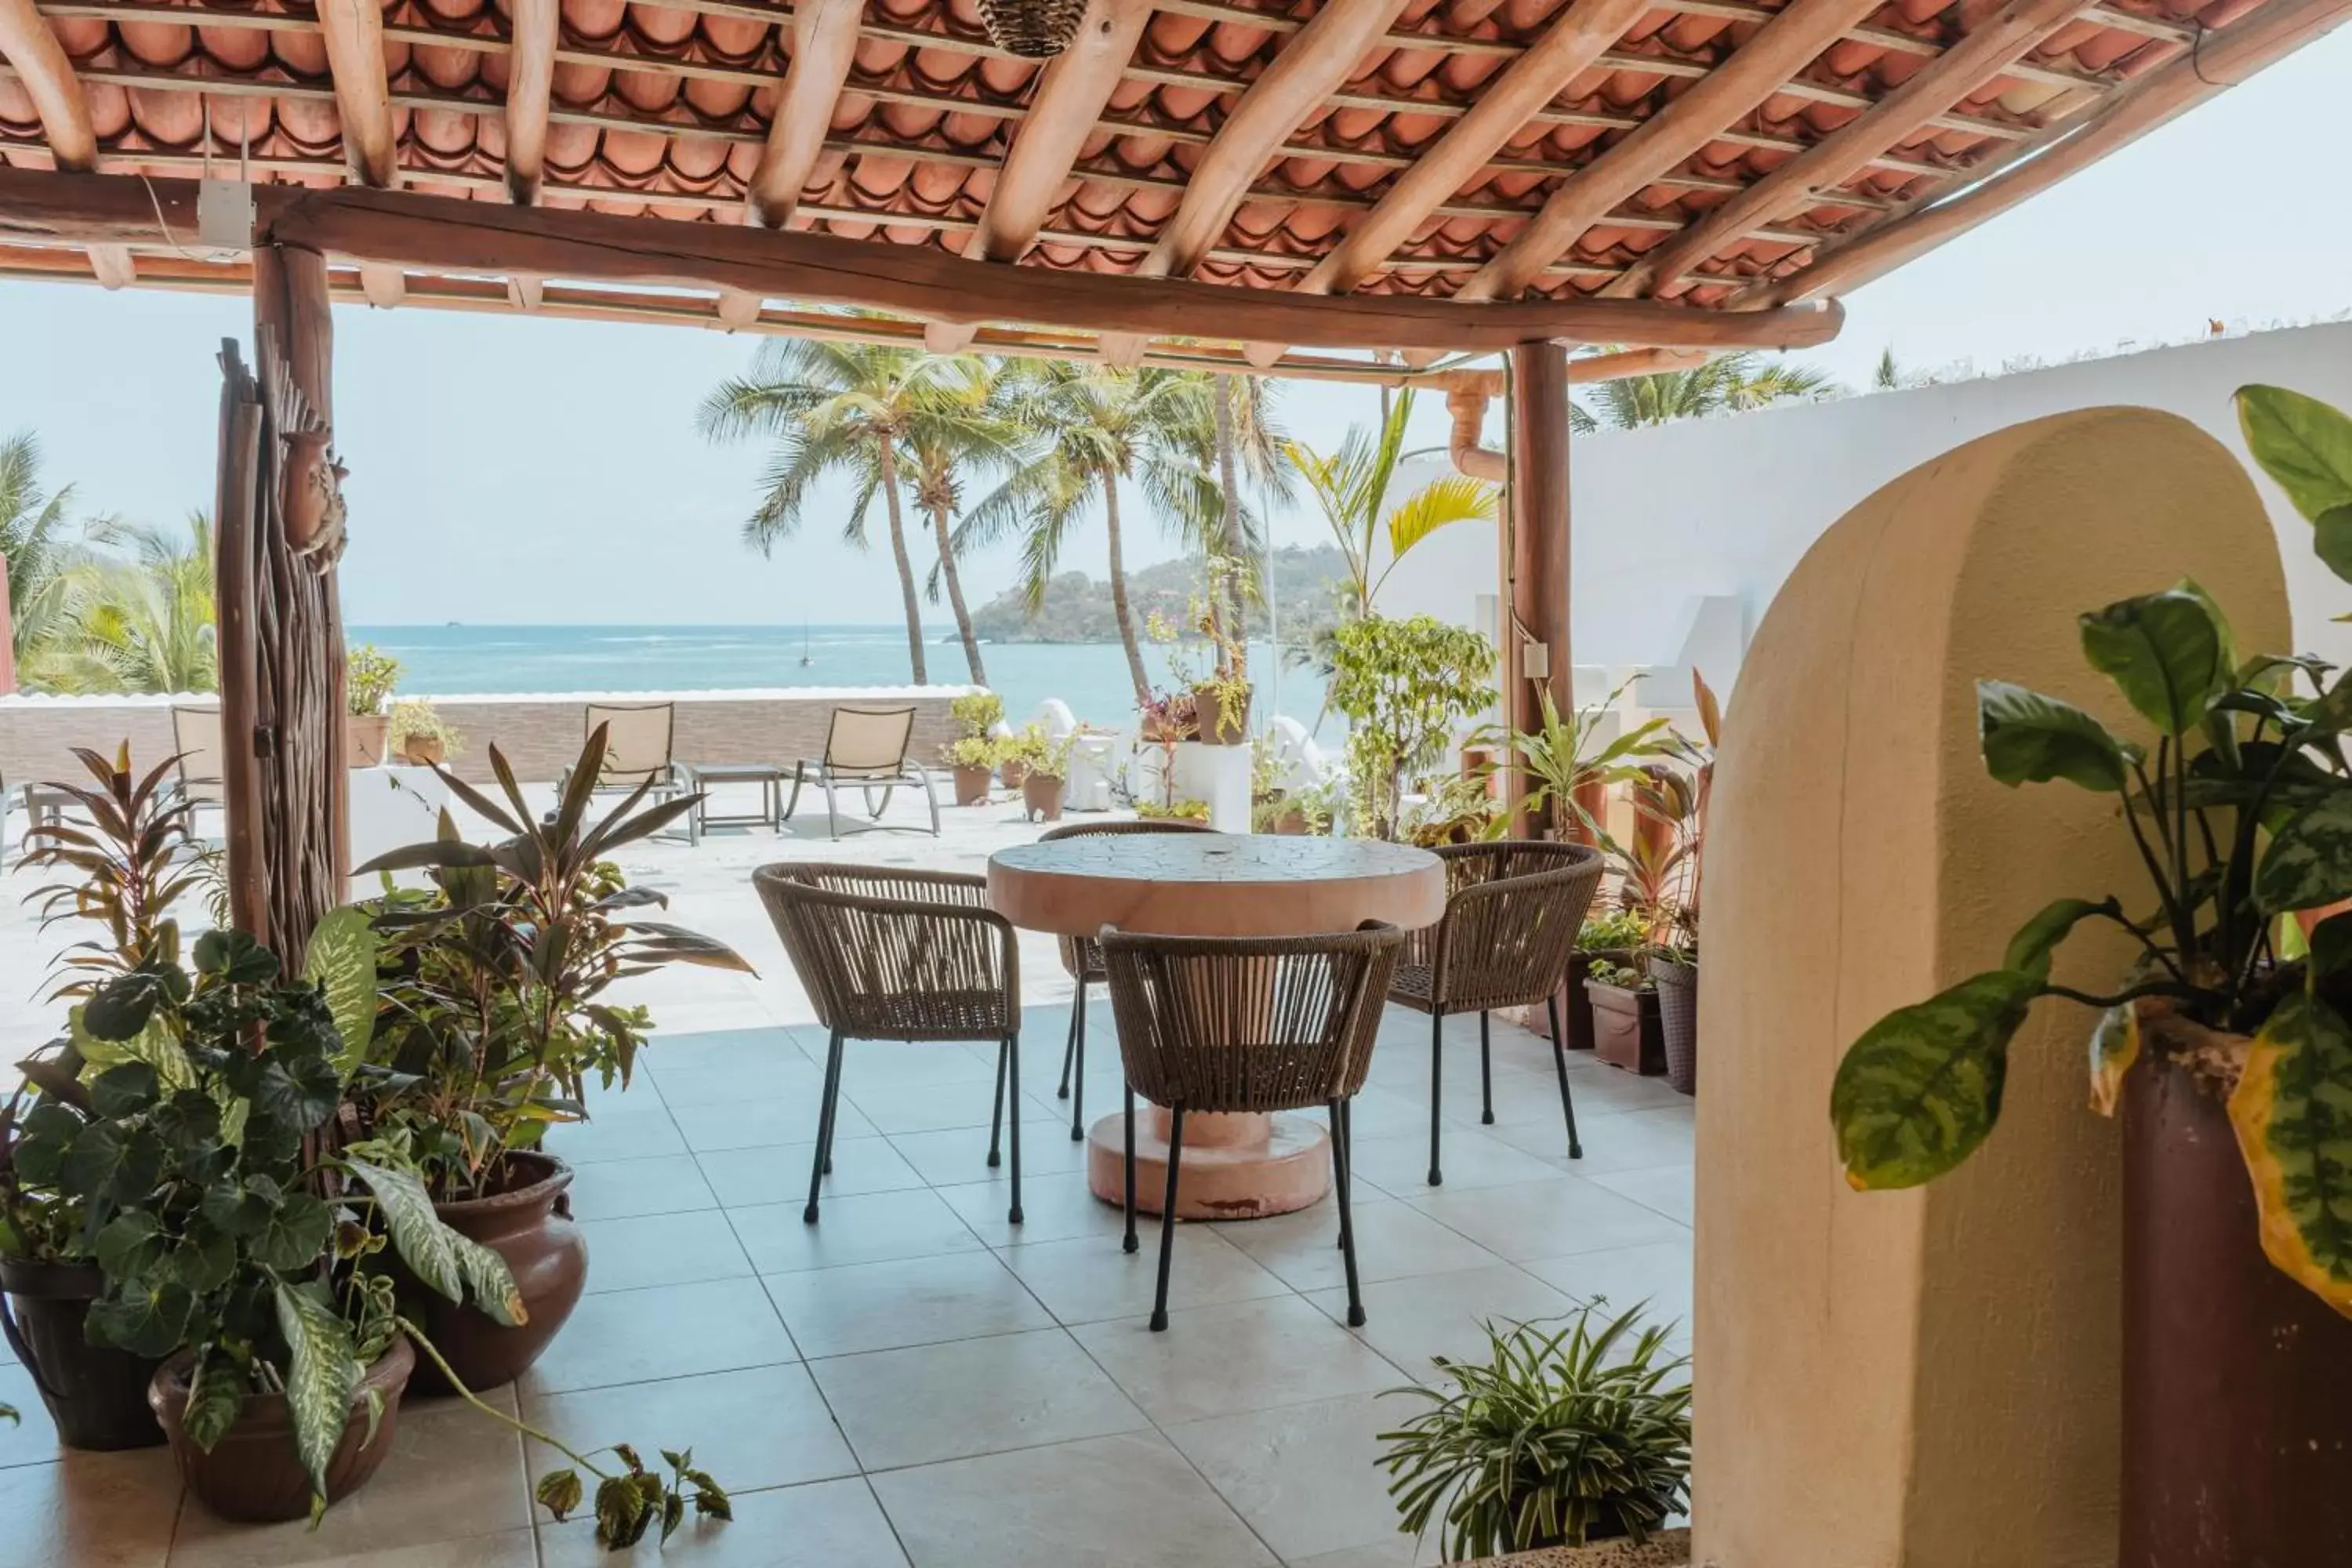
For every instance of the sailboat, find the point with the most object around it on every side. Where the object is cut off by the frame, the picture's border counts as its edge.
(807, 660)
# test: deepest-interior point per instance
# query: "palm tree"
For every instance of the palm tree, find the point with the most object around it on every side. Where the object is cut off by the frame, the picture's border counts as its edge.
(1351, 487)
(144, 623)
(1245, 437)
(1101, 428)
(1730, 384)
(833, 408)
(35, 550)
(960, 425)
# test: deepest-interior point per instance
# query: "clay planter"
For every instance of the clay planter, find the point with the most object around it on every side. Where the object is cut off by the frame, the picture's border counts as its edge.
(2237, 1382)
(530, 1225)
(1041, 795)
(423, 750)
(972, 785)
(1626, 1029)
(363, 738)
(1678, 1020)
(1218, 724)
(1291, 824)
(1575, 1008)
(97, 1397)
(1013, 772)
(253, 1475)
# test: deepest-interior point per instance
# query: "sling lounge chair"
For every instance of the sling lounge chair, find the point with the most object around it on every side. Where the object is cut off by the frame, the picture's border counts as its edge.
(866, 747)
(638, 748)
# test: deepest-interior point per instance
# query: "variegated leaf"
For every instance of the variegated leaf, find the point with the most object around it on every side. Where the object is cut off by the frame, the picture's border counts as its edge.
(321, 1377)
(2293, 1113)
(2115, 1046)
(1921, 1089)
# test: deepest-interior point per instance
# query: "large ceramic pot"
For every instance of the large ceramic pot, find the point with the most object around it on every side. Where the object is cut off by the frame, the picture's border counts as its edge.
(1575, 1007)
(1678, 1020)
(1626, 1031)
(1041, 794)
(363, 738)
(972, 785)
(530, 1225)
(253, 1475)
(96, 1397)
(2237, 1418)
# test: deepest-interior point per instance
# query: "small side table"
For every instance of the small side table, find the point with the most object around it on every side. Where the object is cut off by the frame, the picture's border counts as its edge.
(767, 775)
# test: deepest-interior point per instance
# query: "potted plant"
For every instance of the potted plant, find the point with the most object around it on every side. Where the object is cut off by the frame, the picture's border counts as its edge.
(418, 735)
(1559, 1438)
(1453, 810)
(1570, 770)
(1176, 811)
(976, 750)
(1626, 1029)
(1045, 766)
(1662, 881)
(2225, 1043)
(492, 1011)
(1402, 685)
(369, 676)
(1614, 937)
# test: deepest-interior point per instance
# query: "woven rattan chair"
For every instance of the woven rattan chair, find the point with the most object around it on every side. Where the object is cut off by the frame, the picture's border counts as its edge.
(1082, 959)
(891, 955)
(866, 747)
(1513, 909)
(640, 748)
(1247, 1024)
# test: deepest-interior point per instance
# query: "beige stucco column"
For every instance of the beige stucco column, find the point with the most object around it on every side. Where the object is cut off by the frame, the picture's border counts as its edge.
(1927, 1378)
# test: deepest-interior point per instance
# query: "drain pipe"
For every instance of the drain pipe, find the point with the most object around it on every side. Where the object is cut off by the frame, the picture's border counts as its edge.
(1467, 405)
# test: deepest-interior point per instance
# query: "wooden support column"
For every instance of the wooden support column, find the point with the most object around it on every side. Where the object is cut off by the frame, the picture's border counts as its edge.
(237, 513)
(1535, 591)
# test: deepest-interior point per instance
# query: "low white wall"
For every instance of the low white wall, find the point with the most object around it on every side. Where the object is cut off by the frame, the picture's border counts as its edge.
(1669, 516)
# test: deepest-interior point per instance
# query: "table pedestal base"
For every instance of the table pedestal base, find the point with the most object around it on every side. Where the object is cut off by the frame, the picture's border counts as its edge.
(1235, 1166)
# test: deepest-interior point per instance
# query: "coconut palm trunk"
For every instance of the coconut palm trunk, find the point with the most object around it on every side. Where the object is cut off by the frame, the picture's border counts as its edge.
(1118, 594)
(889, 474)
(1225, 594)
(955, 595)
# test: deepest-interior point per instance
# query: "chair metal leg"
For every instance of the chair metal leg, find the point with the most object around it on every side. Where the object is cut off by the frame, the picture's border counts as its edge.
(790, 806)
(819, 1159)
(1013, 1058)
(1078, 1081)
(1485, 1074)
(1346, 1216)
(832, 806)
(932, 799)
(1436, 1091)
(1070, 1042)
(1128, 1244)
(1168, 1218)
(1560, 1061)
(832, 1104)
(996, 1114)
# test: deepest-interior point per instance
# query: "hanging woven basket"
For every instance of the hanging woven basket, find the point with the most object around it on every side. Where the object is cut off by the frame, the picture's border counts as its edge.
(1036, 30)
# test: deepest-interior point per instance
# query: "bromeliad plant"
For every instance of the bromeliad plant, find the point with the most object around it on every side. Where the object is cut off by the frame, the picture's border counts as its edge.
(1560, 1438)
(2240, 807)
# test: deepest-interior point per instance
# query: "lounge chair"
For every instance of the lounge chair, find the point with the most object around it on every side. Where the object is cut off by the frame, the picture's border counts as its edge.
(196, 737)
(638, 749)
(866, 747)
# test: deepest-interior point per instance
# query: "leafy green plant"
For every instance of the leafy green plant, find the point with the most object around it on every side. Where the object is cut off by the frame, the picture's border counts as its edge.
(1403, 685)
(1565, 753)
(1624, 976)
(1558, 1438)
(1043, 755)
(2241, 813)
(414, 719)
(369, 676)
(492, 1007)
(1181, 810)
(1619, 929)
(977, 712)
(983, 751)
(1453, 810)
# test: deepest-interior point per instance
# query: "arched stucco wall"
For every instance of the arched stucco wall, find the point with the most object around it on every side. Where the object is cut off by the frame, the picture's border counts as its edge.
(1929, 1378)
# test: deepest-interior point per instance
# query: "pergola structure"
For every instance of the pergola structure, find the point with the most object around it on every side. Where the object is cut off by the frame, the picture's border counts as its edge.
(1238, 184)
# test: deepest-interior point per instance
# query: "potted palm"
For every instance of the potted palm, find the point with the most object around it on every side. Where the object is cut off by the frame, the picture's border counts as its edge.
(1570, 768)
(369, 676)
(1562, 1437)
(976, 750)
(2226, 1044)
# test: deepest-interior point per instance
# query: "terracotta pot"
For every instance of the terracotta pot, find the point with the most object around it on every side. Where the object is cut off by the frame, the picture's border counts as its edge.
(96, 1397)
(1041, 794)
(1013, 772)
(1626, 1031)
(2237, 1396)
(1291, 824)
(1575, 1007)
(1678, 1020)
(1218, 724)
(253, 1475)
(363, 737)
(530, 1225)
(972, 785)
(423, 750)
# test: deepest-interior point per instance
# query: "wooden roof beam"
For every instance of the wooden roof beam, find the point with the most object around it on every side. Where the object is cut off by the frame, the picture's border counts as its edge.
(1980, 58)
(1073, 90)
(531, 86)
(1532, 80)
(353, 31)
(824, 42)
(1754, 72)
(41, 64)
(2227, 57)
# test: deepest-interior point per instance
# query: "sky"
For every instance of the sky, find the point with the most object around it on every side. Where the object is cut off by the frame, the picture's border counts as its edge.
(509, 469)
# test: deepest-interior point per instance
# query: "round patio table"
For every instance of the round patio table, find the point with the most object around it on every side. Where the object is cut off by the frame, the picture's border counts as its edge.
(1214, 884)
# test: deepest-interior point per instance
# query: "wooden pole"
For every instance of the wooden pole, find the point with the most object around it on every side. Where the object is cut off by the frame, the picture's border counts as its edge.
(233, 511)
(1535, 593)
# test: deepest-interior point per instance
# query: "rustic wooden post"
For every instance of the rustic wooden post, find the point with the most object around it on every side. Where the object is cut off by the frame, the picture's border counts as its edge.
(235, 508)
(1535, 562)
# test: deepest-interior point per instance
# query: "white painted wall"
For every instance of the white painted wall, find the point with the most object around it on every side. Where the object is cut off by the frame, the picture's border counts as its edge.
(1665, 518)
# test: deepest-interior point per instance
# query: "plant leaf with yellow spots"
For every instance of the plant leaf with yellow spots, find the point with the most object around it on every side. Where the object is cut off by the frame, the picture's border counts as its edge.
(2115, 1046)
(2293, 1112)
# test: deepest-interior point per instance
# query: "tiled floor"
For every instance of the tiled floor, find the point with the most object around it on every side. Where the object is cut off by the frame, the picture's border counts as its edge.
(913, 1381)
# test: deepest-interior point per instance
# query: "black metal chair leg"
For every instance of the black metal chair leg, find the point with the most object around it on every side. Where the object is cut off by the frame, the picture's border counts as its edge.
(1013, 1056)
(996, 1112)
(1168, 1218)
(1347, 1217)
(821, 1157)
(1078, 1079)
(1485, 1074)
(1560, 1061)
(1070, 1042)
(1128, 1244)
(1436, 1091)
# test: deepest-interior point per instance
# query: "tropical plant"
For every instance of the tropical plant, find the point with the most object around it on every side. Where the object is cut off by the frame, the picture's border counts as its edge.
(1564, 754)
(1100, 430)
(1403, 685)
(144, 623)
(976, 745)
(370, 675)
(1351, 486)
(1624, 976)
(1246, 439)
(2239, 813)
(414, 719)
(39, 548)
(1558, 1438)
(1186, 810)
(1612, 930)
(1727, 384)
(961, 428)
(1453, 810)
(492, 1004)
(1045, 756)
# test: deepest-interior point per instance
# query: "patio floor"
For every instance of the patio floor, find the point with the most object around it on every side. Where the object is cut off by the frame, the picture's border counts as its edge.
(913, 1381)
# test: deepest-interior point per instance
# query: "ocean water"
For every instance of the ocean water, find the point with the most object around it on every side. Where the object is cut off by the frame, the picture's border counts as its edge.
(1090, 677)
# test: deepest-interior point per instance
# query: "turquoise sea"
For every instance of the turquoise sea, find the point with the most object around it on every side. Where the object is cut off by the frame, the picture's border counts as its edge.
(1091, 678)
